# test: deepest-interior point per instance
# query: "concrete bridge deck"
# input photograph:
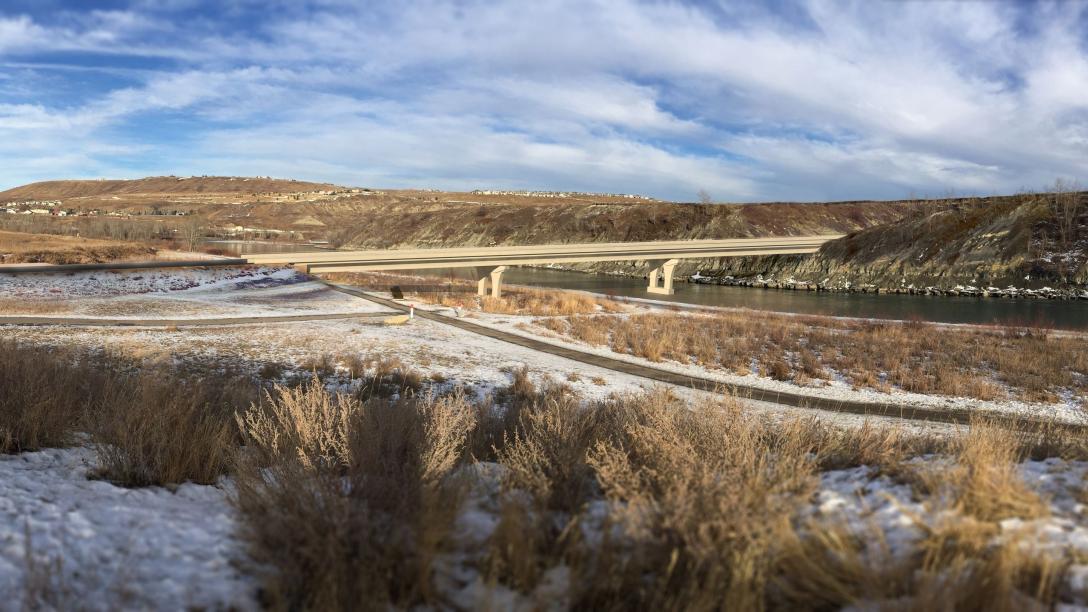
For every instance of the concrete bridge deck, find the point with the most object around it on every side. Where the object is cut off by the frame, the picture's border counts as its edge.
(490, 262)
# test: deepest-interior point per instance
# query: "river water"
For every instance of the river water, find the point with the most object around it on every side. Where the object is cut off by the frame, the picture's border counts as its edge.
(252, 247)
(1060, 314)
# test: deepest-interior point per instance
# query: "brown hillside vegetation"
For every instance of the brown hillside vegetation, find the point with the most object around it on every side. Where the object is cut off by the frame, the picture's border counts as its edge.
(427, 219)
(998, 364)
(1024, 240)
(60, 190)
(17, 247)
(364, 218)
(407, 221)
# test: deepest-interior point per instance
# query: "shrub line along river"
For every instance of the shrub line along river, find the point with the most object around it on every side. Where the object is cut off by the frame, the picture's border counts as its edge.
(1059, 314)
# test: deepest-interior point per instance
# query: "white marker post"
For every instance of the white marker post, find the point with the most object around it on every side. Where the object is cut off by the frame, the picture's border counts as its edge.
(411, 311)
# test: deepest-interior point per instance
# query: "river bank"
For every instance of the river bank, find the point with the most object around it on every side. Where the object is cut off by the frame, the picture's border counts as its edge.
(1042, 293)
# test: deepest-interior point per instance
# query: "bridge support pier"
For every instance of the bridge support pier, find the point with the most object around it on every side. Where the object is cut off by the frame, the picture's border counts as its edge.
(489, 277)
(658, 269)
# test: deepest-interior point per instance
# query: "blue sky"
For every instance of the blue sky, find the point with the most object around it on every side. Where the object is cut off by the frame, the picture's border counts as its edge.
(780, 101)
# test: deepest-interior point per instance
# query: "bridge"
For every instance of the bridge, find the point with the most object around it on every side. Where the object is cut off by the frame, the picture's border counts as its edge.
(490, 262)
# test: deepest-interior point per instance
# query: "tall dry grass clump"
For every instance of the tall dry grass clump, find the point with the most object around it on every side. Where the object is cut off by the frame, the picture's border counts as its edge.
(152, 429)
(387, 377)
(700, 497)
(44, 393)
(347, 500)
(981, 478)
(303, 422)
(963, 558)
(540, 302)
(653, 502)
(637, 501)
(546, 436)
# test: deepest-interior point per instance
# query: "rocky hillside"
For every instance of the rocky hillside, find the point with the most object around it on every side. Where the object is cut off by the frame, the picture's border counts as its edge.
(421, 219)
(366, 218)
(1026, 241)
(889, 244)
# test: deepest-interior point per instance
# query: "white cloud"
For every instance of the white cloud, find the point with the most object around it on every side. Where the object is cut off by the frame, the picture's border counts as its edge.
(839, 101)
(18, 32)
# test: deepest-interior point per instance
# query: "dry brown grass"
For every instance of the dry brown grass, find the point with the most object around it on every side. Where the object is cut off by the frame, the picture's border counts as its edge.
(16, 247)
(964, 559)
(148, 428)
(351, 516)
(647, 500)
(458, 293)
(982, 481)
(15, 306)
(701, 492)
(1029, 365)
(386, 377)
(644, 501)
(43, 395)
(156, 429)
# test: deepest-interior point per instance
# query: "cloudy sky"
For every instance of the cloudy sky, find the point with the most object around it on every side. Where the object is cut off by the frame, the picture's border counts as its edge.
(781, 101)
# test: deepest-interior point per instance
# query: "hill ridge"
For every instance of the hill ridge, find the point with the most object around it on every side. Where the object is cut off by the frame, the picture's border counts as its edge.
(81, 188)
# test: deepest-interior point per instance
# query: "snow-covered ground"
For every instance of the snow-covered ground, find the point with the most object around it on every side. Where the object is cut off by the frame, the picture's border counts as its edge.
(93, 545)
(428, 347)
(431, 348)
(74, 543)
(88, 544)
(879, 511)
(176, 294)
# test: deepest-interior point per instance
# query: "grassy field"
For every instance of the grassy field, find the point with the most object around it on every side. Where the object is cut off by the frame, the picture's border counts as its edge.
(17, 247)
(1004, 363)
(459, 293)
(389, 492)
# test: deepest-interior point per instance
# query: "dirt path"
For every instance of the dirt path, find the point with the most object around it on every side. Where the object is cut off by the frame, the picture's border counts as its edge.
(92, 322)
(876, 409)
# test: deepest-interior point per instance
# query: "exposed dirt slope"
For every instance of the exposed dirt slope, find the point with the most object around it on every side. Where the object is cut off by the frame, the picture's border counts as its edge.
(1016, 240)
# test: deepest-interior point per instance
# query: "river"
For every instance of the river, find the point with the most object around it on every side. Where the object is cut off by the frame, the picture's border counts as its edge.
(1059, 314)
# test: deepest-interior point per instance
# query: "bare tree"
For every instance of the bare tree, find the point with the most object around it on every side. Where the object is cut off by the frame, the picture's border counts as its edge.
(1067, 210)
(704, 197)
(191, 231)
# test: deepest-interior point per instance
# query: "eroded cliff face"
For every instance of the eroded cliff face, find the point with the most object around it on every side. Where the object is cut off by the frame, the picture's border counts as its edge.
(993, 242)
